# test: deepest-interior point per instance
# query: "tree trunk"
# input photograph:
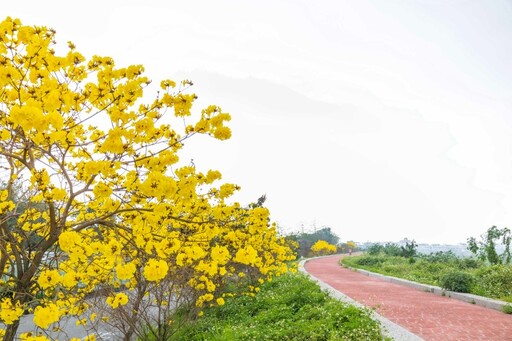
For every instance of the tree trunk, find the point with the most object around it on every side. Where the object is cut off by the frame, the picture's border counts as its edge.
(10, 331)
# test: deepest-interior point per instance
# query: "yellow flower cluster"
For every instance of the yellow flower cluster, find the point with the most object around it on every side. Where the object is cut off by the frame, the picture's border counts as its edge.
(155, 270)
(110, 205)
(30, 337)
(118, 300)
(45, 316)
(321, 247)
(9, 312)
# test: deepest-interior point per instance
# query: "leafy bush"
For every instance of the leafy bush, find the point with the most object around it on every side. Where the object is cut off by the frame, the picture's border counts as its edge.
(485, 249)
(507, 309)
(375, 249)
(496, 280)
(409, 250)
(305, 240)
(457, 281)
(369, 261)
(291, 307)
(441, 257)
(392, 249)
(470, 263)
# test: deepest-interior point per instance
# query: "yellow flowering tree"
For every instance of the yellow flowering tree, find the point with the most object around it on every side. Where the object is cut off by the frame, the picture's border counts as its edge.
(321, 247)
(194, 271)
(107, 203)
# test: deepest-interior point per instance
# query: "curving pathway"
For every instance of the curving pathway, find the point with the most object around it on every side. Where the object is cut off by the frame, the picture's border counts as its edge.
(424, 314)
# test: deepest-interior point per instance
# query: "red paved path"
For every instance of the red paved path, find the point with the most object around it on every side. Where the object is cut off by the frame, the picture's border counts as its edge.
(427, 315)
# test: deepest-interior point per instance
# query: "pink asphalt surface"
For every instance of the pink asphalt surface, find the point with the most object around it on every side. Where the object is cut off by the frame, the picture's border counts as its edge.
(427, 315)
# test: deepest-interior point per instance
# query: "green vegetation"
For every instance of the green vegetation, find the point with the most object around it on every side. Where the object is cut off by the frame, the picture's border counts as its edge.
(391, 249)
(443, 269)
(485, 248)
(458, 281)
(306, 240)
(291, 307)
(507, 309)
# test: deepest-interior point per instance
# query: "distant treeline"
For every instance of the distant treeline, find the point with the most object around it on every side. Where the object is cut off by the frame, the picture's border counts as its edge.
(305, 240)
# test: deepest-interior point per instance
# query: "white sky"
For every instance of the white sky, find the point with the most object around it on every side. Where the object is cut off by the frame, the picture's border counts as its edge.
(380, 119)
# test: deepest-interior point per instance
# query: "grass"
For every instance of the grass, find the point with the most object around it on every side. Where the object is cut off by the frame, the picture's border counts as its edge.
(291, 307)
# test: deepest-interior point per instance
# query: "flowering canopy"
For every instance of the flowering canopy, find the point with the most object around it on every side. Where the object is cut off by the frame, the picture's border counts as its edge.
(321, 247)
(105, 201)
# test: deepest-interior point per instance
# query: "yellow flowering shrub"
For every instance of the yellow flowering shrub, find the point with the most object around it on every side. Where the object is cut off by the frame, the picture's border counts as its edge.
(106, 202)
(321, 247)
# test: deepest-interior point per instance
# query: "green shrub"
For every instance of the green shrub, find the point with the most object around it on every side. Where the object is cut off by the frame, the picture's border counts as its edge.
(496, 280)
(375, 249)
(507, 309)
(389, 249)
(441, 257)
(457, 281)
(470, 263)
(392, 249)
(369, 261)
(409, 250)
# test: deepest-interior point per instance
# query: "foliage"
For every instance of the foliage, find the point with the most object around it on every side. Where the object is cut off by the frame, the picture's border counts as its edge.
(409, 249)
(495, 280)
(326, 234)
(351, 245)
(485, 249)
(375, 249)
(321, 247)
(441, 257)
(457, 281)
(290, 307)
(306, 240)
(392, 249)
(469, 263)
(387, 265)
(489, 281)
(347, 247)
(292, 243)
(109, 205)
(507, 308)
(369, 261)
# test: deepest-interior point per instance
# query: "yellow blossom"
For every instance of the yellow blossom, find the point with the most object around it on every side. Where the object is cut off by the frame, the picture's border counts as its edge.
(120, 299)
(155, 270)
(9, 312)
(48, 278)
(30, 337)
(111, 202)
(125, 271)
(247, 255)
(45, 316)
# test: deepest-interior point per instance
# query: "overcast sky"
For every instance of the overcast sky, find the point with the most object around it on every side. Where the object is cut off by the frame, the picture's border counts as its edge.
(382, 119)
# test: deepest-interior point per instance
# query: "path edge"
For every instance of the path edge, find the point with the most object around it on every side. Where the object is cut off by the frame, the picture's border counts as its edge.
(465, 297)
(389, 328)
